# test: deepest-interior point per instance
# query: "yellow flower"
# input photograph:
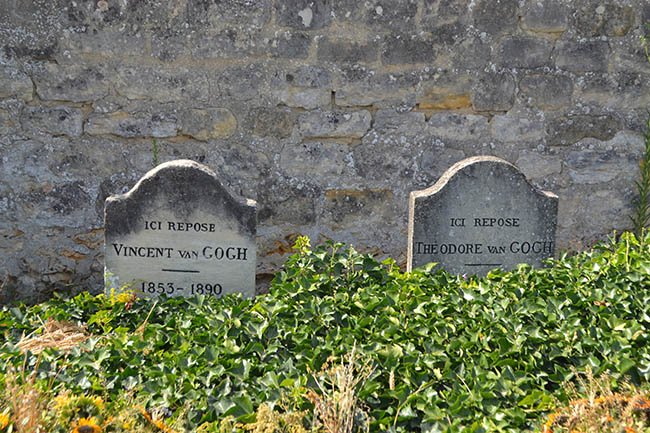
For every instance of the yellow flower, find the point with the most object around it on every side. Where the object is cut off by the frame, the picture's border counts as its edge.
(4, 420)
(98, 402)
(61, 401)
(87, 425)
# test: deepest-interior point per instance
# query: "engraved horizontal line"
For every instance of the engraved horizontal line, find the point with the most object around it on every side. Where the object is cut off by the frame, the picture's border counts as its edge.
(483, 264)
(181, 270)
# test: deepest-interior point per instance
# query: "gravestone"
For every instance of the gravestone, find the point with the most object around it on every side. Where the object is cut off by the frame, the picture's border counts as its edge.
(178, 232)
(481, 214)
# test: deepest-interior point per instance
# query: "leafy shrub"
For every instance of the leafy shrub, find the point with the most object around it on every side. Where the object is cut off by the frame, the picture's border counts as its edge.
(448, 353)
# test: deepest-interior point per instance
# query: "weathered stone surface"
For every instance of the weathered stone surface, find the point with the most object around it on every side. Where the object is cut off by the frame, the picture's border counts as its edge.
(453, 126)
(550, 16)
(495, 16)
(394, 14)
(77, 83)
(307, 98)
(442, 92)
(472, 52)
(272, 122)
(587, 56)
(594, 161)
(494, 92)
(525, 52)
(333, 124)
(225, 44)
(341, 50)
(480, 215)
(359, 85)
(548, 92)
(391, 122)
(408, 49)
(351, 207)
(291, 45)
(564, 131)
(30, 28)
(615, 91)
(108, 43)
(178, 232)
(208, 124)
(53, 120)
(536, 166)
(139, 124)
(517, 128)
(304, 14)
(328, 161)
(15, 84)
(161, 85)
(598, 18)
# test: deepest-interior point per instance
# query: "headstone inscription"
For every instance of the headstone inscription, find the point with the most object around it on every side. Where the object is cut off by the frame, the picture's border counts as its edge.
(178, 232)
(481, 214)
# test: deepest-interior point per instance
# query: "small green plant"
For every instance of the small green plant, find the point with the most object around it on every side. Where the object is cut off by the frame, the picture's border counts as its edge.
(641, 215)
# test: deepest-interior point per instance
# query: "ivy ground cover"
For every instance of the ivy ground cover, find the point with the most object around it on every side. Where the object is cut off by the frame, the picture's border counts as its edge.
(444, 353)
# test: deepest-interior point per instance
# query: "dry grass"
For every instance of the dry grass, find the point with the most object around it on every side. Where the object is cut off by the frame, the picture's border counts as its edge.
(336, 405)
(26, 403)
(53, 334)
(596, 408)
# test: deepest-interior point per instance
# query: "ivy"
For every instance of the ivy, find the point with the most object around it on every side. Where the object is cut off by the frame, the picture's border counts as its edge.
(447, 353)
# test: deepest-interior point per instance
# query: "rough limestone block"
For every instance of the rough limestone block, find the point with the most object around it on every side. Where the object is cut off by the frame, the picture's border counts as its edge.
(455, 126)
(53, 120)
(603, 18)
(15, 83)
(341, 50)
(494, 92)
(563, 131)
(304, 14)
(346, 207)
(139, 124)
(307, 98)
(408, 49)
(537, 166)
(524, 52)
(208, 124)
(77, 83)
(395, 15)
(594, 161)
(178, 232)
(480, 215)
(583, 56)
(333, 124)
(495, 17)
(290, 45)
(550, 16)
(549, 92)
(510, 128)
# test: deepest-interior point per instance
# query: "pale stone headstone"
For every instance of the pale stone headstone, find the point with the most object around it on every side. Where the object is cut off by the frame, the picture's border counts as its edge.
(481, 214)
(179, 232)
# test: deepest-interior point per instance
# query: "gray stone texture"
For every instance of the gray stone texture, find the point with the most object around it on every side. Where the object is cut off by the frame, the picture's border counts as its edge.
(326, 112)
(550, 16)
(525, 52)
(546, 91)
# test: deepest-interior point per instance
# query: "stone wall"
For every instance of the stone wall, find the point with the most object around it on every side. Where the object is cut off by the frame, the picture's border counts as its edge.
(327, 112)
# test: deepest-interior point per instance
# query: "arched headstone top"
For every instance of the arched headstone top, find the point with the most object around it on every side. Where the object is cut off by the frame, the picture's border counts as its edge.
(465, 164)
